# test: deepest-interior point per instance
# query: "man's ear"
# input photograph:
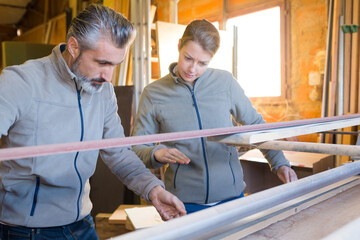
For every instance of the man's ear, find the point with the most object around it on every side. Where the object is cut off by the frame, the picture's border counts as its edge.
(73, 47)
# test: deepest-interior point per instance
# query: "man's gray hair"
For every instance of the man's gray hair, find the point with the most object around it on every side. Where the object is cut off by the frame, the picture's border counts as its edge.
(99, 22)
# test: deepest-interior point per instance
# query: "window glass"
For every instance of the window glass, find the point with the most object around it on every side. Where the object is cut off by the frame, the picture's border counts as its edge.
(259, 52)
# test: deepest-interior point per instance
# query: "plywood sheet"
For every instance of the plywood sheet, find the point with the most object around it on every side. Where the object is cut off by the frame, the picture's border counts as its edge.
(143, 217)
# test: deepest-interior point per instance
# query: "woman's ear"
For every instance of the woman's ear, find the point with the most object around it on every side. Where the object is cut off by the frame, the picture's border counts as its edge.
(73, 47)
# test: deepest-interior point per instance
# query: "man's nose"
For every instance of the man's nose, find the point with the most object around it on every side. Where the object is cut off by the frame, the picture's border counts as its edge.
(107, 73)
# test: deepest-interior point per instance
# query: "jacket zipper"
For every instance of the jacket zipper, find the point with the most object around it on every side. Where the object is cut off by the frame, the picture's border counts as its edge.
(231, 169)
(77, 154)
(175, 175)
(202, 140)
(35, 195)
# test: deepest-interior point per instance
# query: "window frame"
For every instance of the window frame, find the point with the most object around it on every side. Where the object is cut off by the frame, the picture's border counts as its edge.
(236, 8)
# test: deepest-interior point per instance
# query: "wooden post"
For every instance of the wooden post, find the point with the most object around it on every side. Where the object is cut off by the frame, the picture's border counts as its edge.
(347, 139)
(355, 51)
(73, 4)
(354, 61)
(325, 95)
(347, 57)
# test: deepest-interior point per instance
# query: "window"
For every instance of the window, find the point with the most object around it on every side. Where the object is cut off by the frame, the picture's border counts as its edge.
(259, 52)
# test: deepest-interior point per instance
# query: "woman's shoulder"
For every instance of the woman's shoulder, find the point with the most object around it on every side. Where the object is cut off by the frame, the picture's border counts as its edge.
(163, 82)
(216, 74)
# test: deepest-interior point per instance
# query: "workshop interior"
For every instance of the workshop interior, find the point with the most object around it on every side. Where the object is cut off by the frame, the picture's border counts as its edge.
(298, 63)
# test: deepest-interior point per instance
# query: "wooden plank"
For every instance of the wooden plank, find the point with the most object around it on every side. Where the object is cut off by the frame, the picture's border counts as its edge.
(31, 151)
(119, 215)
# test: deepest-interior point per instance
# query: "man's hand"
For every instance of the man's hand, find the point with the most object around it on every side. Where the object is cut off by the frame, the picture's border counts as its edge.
(286, 174)
(171, 155)
(167, 204)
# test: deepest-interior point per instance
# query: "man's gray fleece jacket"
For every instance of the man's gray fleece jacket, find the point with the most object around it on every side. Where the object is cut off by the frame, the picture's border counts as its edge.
(171, 105)
(40, 104)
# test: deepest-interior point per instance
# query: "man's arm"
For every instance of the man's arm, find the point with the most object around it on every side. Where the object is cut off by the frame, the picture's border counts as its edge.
(167, 204)
(286, 174)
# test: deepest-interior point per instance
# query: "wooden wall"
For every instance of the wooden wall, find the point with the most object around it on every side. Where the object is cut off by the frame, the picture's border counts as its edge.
(54, 32)
(306, 50)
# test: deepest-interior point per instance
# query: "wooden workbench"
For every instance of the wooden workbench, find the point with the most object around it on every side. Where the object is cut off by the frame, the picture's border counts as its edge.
(257, 174)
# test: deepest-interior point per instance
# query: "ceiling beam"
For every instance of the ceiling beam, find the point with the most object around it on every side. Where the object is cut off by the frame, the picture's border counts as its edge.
(12, 6)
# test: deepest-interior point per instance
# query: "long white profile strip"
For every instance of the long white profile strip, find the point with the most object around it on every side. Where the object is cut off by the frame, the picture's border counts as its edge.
(273, 134)
(196, 225)
(327, 148)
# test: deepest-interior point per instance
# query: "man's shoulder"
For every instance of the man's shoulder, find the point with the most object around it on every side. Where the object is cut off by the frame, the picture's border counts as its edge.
(31, 66)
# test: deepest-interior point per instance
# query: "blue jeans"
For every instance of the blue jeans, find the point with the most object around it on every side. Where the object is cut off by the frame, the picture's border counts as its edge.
(192, 207)
(83, 229)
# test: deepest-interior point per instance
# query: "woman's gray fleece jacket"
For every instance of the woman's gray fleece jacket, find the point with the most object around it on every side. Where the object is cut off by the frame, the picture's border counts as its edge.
(171, 105)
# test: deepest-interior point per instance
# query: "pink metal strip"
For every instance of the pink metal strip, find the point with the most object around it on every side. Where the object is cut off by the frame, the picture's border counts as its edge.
(33, 151)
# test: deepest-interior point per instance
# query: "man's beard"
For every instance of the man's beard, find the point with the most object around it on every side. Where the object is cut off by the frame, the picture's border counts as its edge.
(89, 85)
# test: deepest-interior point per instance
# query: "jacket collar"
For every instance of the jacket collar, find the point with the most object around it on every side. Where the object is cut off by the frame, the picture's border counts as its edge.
(60, 65)
(173, 70)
